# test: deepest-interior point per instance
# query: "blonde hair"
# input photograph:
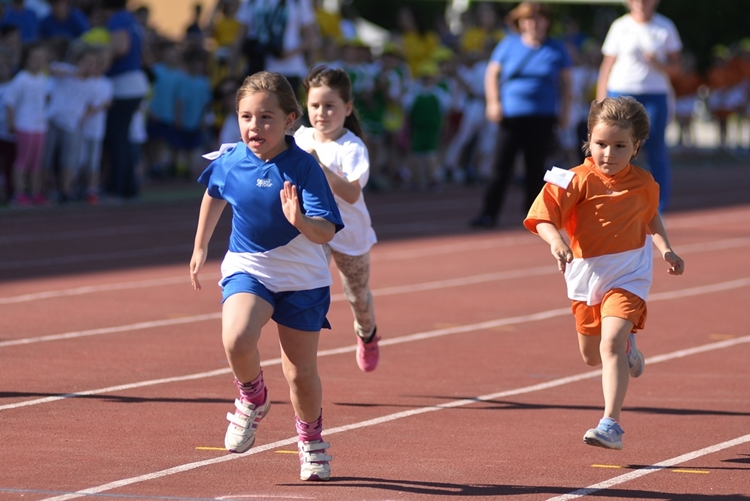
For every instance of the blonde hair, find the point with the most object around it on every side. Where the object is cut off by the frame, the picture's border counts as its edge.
(272, 83)
(624, 112)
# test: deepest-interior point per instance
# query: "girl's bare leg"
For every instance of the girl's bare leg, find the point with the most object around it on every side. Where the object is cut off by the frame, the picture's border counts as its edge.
(243, 317)
(299, 361)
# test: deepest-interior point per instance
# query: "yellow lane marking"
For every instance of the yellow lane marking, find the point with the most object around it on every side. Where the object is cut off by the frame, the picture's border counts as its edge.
(287, 452)
(720, 336)
(606, 466)
(702, 472)
(210, 448)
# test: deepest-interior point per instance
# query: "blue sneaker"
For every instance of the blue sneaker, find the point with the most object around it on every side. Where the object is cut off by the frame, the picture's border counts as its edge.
(607, 434)
(635, 358)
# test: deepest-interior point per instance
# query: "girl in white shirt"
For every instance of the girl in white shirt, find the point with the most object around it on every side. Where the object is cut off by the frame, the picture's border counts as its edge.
(25, 101)
(335, 141)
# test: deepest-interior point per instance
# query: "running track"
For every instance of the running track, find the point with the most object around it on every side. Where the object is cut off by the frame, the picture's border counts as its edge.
(114, 382)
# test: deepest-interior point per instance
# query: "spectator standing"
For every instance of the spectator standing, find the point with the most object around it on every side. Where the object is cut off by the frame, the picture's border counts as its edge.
(129, 86)
(7, 140)
(25, 19)
(425, 104)
(70, 101)
(94, 125)
(10, 40)
(277, 36)
(24, 100)
(64, 20)
(192, 101)
(485, 29)
(160, 125)
(224, 29)
(641, 51)
(527, 89)
(416, 40)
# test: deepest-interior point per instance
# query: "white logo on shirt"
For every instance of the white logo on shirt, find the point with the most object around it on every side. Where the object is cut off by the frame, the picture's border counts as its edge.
(264, 183)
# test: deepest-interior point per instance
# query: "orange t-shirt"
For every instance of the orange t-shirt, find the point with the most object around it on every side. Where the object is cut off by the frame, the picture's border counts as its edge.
(601, 214)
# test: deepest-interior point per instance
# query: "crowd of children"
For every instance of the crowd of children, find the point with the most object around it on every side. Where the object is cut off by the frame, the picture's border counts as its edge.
(420, 97)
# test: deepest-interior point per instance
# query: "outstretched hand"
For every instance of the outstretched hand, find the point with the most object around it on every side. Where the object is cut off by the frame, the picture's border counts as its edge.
(676, 264)
(196, 263)
(562, 254)
(290, 204)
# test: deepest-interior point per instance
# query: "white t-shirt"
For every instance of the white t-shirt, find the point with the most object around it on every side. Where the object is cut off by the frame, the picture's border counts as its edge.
(70, 96)
(349, 158)
(101, 94)
(628, 41)
(300, 14)
(27, 95)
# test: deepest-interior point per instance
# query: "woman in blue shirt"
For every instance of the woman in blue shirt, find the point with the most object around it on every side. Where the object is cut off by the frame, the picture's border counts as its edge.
(527, 86)
(130, 86)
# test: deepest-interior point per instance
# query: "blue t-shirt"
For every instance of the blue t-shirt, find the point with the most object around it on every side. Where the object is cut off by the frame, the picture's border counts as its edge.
(131, 61)
(530, 77)
(194, 93)
(24, 19)
(71, 27)
(164, 92)
(263, 242)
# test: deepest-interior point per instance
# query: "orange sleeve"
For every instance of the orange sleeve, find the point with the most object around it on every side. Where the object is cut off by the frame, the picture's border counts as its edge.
(553, 205)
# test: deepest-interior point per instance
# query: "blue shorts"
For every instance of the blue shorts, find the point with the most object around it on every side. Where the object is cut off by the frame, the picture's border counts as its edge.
(302, 310)
(185, 140)
(158, 129)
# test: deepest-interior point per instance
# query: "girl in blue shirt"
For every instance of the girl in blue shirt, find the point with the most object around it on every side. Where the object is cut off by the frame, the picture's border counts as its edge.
(275, 268)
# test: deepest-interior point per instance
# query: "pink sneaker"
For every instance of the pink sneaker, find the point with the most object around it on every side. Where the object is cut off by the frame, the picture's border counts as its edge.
(368, 354)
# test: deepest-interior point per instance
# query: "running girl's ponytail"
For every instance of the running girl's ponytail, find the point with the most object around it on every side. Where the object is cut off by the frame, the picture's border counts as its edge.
(338, 80)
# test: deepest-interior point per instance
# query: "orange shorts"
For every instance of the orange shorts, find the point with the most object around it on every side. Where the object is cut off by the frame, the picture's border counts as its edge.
(616, 303)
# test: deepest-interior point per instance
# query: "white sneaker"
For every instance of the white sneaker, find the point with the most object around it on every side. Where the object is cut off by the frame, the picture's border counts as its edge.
(313, 460)
(635, 358)
(243, 424)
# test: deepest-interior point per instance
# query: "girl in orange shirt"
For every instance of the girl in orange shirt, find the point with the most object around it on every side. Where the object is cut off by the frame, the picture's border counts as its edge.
(608, 208)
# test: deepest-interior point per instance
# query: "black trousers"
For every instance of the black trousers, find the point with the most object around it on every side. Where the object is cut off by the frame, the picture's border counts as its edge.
(534, 136)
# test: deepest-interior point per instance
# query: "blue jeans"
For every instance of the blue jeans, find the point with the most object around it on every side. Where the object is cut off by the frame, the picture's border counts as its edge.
(656, 145)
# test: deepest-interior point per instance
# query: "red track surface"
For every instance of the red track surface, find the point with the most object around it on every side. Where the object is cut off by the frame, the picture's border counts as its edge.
(114, 381)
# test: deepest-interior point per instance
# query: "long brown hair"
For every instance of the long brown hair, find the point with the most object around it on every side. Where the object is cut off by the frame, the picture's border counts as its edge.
(338, 80)
(272, 83)
(624, 112)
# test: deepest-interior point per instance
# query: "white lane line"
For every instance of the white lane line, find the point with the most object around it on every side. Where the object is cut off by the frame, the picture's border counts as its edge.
(427, 335)
(651, 469)
(112, 330)
(414, 412)
(93, 289)
(387, 291)
(439, 284)
(377, 257)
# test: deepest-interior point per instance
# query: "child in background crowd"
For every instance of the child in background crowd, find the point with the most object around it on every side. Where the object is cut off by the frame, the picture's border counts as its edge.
(283, 211)
(94, 125)
(25, 100)
(168, 74)
(192, 101)
(70, 102)
(425, 104)
(335, 141)
(608, 208)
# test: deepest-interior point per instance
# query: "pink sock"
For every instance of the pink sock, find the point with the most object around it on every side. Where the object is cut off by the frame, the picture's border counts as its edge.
(307, 432)
(254, 391)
